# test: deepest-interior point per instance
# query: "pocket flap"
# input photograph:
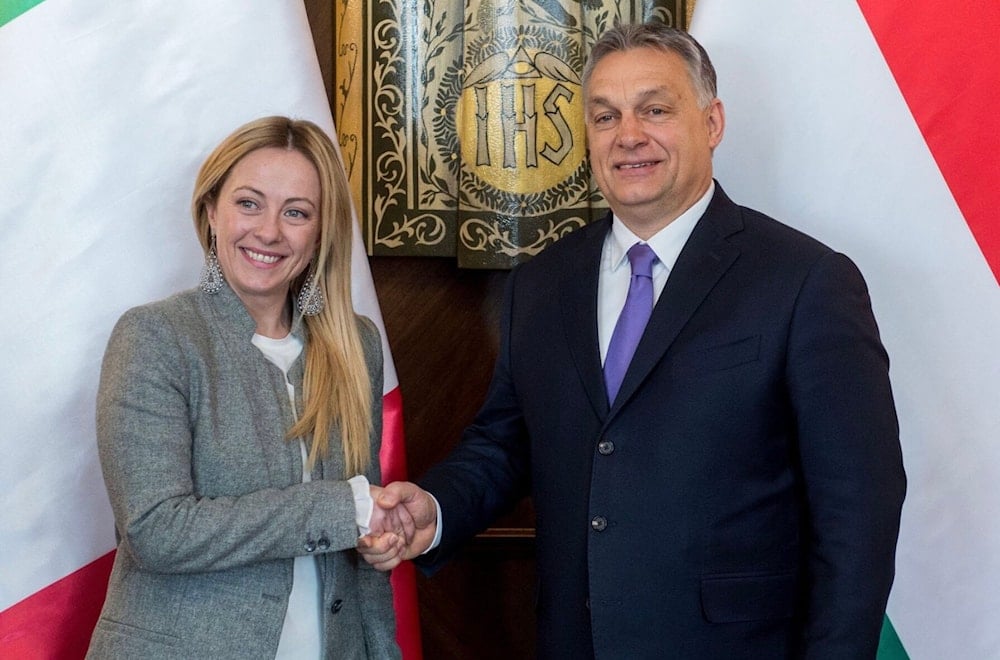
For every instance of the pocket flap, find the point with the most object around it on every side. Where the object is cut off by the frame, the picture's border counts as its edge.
(718, 358)
(729, 599)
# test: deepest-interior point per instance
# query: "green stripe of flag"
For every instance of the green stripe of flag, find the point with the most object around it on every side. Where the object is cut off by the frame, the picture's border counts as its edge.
(11, 9)
(889, 645)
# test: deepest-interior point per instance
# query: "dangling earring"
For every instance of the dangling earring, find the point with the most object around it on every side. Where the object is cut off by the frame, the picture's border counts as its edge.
(211, 274)
(310, 301)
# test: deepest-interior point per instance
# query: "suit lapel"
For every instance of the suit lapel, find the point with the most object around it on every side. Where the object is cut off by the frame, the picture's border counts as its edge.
(579, 310)
(706, 256)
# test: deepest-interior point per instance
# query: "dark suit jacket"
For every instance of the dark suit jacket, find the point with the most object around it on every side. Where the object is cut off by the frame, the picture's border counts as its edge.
(741, 496)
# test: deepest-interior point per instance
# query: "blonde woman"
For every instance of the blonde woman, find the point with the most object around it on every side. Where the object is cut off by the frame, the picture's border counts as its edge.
(239, 422)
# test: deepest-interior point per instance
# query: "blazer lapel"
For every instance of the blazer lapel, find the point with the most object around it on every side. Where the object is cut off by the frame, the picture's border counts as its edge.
(279, 458)
(706, 256)
(579, 310)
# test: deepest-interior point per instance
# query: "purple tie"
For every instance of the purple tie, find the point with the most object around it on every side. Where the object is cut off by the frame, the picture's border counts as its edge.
(632, 321)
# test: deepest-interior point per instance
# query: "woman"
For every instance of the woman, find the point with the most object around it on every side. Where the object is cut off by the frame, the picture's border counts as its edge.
(229, 418)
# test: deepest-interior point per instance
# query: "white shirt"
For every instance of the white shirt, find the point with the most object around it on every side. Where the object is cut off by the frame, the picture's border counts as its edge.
(302, 631)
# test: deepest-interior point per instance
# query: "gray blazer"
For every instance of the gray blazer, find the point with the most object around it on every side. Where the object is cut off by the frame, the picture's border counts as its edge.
(208, 499)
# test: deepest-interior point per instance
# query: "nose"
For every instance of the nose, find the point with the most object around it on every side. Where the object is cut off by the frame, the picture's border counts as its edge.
(630, 131)
(268, 230)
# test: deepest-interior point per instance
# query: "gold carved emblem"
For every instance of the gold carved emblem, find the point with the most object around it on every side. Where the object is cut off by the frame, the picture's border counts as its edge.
(461, 122)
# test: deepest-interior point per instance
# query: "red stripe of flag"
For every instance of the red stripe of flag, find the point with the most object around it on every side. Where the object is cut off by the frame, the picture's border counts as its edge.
(945, 58)
(404, 586)
(56, 622)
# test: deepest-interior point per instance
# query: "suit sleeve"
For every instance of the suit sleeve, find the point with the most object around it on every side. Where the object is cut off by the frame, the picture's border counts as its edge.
(838, 379)
(488, 472)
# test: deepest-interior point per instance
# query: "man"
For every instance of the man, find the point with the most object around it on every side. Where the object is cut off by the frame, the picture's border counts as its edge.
(738, 496)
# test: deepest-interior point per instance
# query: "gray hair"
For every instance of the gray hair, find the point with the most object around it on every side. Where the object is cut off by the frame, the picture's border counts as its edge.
(660, 37)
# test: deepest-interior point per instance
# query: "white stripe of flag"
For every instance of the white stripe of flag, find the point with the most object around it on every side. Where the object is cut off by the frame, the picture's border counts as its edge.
(820, 136)
(107, 111)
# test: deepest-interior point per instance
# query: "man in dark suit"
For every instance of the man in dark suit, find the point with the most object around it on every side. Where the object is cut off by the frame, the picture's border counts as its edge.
(738, 494)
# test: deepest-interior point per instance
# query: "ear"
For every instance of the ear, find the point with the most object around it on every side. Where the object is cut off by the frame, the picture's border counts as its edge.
(210, 212)
(715, 119)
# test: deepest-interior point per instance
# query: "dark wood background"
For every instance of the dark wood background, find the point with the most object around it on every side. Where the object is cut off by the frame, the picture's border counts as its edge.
(441, 323)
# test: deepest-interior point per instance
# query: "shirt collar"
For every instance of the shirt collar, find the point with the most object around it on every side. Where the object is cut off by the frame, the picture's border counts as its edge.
(666, 243)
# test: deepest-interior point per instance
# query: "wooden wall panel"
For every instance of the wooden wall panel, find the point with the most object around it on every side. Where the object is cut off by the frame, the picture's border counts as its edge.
(442, 327)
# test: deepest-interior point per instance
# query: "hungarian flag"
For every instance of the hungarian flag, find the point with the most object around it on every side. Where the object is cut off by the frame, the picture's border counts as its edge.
(106, 111)
(875, 126)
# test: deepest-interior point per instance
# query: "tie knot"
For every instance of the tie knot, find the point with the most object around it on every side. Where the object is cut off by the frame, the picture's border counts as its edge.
(641, 257)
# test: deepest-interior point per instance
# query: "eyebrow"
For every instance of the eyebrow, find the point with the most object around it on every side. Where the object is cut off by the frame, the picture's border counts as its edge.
(287, 201)
(643, 96)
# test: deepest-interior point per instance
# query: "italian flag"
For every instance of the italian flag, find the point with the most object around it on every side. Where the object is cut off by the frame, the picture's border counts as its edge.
(106, 111)
(875, 126)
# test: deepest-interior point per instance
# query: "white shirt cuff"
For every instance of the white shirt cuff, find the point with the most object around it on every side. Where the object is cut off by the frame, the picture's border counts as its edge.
(364, 505)
(437, 532)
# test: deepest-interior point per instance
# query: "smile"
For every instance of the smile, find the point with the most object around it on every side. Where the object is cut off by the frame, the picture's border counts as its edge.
(635, 166)
(260, 258)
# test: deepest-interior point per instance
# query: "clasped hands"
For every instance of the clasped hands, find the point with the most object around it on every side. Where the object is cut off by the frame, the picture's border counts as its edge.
(403, 525)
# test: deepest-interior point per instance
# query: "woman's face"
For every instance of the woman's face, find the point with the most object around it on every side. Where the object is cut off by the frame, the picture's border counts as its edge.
(266, 221)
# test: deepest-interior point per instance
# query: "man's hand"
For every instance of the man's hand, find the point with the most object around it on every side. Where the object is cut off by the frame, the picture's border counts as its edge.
(395, 520)
(403, 525)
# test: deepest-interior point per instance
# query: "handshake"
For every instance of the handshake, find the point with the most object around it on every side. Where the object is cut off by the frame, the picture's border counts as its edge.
(403, 525)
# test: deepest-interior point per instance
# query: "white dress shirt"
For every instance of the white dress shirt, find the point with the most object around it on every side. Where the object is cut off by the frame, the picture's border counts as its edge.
(616, 273)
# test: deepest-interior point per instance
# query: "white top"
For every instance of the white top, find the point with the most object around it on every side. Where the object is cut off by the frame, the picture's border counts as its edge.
(302, 632)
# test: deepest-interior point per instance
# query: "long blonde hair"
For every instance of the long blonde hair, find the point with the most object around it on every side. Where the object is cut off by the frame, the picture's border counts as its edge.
(336, 387)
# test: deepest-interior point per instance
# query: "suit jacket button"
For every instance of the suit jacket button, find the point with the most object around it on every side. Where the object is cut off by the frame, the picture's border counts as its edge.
(599, 523)
(324, 543)
(337, 604)
(310, 545)
(605, 447)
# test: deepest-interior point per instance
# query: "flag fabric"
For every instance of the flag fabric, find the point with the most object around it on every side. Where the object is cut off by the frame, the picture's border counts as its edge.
(872, 125)
(106, 112)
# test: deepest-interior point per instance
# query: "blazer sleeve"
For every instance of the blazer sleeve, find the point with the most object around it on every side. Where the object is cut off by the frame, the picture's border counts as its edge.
(145, 446)
(838, 380)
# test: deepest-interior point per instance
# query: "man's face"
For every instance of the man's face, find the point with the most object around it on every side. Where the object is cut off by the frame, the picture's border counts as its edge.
(650, 142)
